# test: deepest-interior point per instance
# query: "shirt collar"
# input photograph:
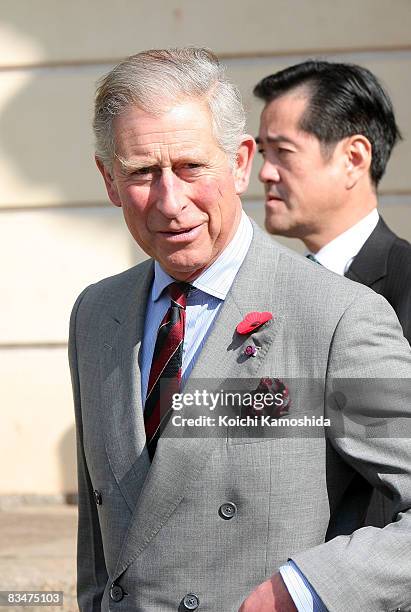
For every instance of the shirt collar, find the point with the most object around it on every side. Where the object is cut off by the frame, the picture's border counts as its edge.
(217, 279)
(338, 254)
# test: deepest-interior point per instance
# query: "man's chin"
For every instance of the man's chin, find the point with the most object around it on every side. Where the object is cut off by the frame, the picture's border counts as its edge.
(183, 270)
(274, 226)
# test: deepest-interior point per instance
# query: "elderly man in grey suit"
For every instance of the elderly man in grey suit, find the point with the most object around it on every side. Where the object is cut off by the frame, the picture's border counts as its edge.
(222, 523)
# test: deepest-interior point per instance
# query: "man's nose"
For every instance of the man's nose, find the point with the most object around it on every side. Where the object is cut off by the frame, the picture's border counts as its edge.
(170, 194)
(269, 172)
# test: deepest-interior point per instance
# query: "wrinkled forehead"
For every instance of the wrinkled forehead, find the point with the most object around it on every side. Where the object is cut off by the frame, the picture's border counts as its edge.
(183, 130)
(141, 125)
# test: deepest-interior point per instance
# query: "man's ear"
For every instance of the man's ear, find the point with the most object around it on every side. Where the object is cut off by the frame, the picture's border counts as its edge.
(358, 157)
(109, 182)
(243, 163)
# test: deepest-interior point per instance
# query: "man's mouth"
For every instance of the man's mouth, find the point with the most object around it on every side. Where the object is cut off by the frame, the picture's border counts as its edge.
(272, 196)
(181, 234)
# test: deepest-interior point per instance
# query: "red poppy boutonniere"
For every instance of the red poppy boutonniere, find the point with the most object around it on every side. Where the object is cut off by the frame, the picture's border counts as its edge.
(252, 321)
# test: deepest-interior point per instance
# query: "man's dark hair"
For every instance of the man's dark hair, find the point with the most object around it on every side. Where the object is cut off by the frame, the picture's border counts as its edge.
(344, 99)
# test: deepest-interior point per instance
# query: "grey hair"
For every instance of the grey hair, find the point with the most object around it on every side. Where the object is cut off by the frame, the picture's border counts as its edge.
(156, 80)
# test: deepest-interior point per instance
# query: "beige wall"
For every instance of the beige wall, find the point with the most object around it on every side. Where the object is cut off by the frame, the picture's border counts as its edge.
(57, 231)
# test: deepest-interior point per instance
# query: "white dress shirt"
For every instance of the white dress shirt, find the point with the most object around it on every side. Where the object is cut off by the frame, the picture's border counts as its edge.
(339, 254)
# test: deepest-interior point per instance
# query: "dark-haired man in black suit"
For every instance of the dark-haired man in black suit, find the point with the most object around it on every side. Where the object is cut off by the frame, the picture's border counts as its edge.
(319, 116)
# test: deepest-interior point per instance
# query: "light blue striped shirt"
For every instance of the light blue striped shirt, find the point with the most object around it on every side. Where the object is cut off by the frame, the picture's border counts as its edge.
(203, 305)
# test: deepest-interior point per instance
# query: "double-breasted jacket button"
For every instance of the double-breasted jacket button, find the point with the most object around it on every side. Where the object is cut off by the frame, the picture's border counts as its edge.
(116, 592)
(191, 602)
(98, 497)
(227, 510)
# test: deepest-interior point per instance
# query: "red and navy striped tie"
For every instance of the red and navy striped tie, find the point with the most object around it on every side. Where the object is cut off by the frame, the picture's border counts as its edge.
(166, 367)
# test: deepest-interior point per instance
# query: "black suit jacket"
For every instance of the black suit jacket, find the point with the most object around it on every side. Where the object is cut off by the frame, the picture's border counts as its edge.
(384, 265)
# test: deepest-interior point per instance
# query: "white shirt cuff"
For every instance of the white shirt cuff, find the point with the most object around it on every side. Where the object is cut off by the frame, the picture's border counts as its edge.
(304, 596)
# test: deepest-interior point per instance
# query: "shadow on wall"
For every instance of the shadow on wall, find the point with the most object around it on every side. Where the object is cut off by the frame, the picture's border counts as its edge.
(68, 465)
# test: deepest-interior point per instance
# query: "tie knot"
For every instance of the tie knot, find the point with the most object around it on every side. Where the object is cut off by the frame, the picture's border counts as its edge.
(178, 293)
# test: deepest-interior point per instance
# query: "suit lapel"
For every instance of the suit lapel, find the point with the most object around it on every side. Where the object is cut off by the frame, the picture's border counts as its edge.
(178, 462)
(370, 264)
(252, 291)
(123, 423)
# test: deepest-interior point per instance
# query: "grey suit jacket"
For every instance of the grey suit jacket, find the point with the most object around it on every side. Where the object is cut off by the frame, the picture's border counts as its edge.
(157, 533)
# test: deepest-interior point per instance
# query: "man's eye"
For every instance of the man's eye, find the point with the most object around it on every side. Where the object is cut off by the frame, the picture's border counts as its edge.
(188, 170)
(191, 166)
(261, 151)
(143, 171)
